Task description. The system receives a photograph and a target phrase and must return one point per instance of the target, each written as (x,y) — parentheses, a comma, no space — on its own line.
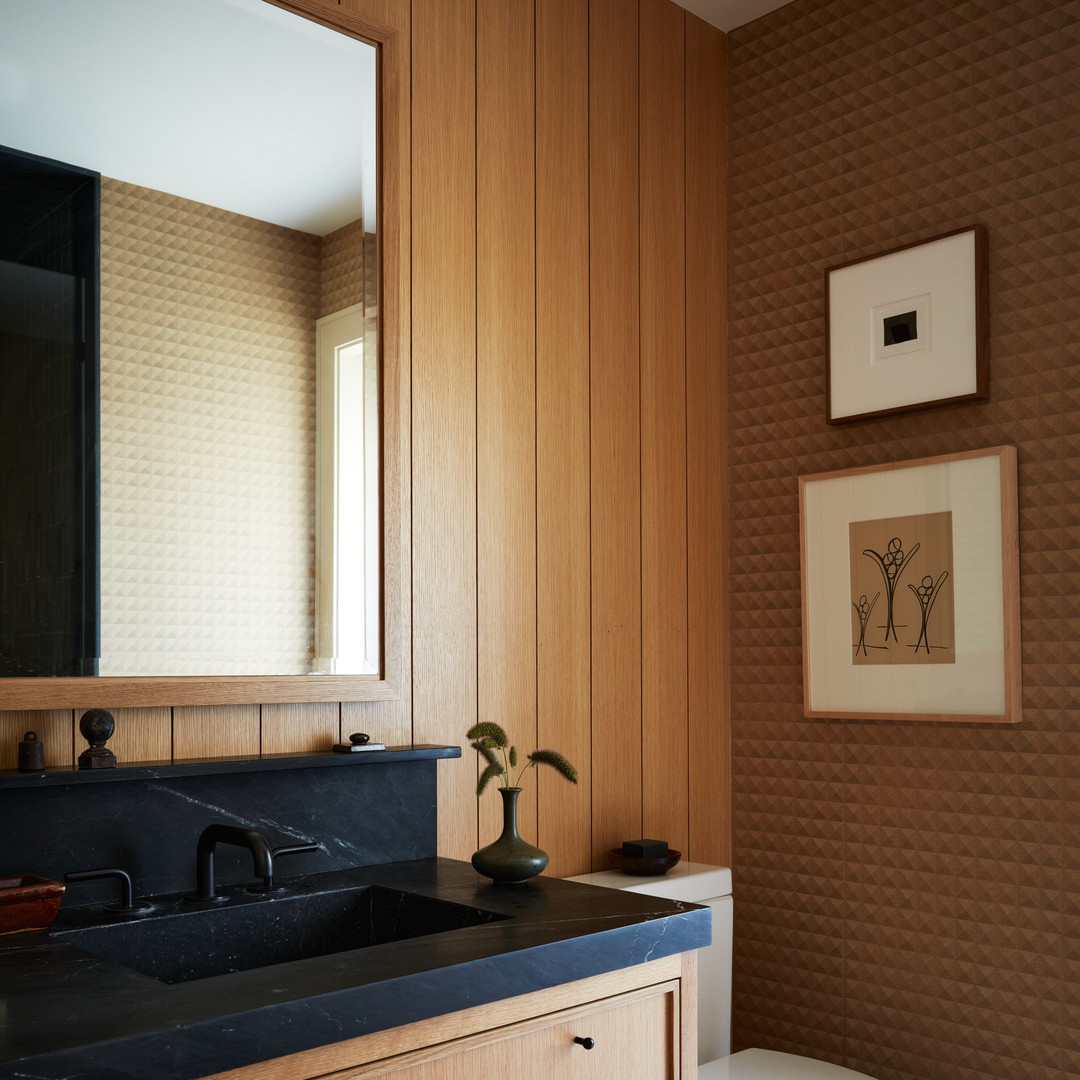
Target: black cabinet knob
(587,1043)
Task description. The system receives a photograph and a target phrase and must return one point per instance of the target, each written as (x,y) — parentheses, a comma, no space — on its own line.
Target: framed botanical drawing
(910,590)
(907,329)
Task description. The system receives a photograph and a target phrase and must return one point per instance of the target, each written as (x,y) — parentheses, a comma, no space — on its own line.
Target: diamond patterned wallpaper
(207,418)
(344,267)
(907,895)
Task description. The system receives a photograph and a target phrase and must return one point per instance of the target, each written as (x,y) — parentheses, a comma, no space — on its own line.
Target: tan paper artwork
(902,583)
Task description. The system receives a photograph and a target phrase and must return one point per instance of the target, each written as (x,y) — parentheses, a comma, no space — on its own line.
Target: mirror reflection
(189,420)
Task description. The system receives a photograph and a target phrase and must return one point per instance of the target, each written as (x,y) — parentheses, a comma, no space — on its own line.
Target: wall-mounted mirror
(219,501)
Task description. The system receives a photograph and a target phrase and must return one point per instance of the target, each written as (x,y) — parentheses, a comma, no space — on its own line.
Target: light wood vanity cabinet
(632,1036)
(636,1018)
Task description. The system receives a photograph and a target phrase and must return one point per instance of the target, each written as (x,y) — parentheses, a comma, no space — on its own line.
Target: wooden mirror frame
(381,23)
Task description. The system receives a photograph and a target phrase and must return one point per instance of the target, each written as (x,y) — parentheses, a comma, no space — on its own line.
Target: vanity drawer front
(634,1037)
(642,1020)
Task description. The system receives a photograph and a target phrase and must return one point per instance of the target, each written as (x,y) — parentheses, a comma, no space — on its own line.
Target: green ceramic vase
(510,860)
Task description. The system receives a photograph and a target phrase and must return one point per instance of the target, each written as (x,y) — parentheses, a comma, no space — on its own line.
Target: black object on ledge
(645,849)
(158,770)
(359,742)
(97,727)
(31,753)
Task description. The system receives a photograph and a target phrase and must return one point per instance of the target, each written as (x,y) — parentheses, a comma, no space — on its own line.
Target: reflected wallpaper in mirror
(237,221)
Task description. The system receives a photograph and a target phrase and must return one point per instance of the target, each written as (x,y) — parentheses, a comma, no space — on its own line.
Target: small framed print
(910,594)
(907,329)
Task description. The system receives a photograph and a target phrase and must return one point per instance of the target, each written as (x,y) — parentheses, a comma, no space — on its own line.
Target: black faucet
(261,852)
(126,905)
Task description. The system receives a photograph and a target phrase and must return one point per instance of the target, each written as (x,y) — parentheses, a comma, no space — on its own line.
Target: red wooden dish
(28,903)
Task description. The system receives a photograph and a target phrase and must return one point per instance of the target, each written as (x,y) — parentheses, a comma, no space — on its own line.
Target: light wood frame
(371,21)
(979,488)
(945,281)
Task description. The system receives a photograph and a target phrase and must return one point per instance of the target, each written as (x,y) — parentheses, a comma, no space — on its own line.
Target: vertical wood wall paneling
(444,401)
(506,388)
(141,735)
(215,731)
(300,729)
(591,562)
(615,448)
(707,442)
(664,733)
(562,421)
(390,722)
(54,727)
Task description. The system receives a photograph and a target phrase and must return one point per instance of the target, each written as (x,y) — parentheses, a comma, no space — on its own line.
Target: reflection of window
(347,497)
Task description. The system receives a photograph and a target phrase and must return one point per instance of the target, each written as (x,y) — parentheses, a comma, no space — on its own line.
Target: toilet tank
(696,883)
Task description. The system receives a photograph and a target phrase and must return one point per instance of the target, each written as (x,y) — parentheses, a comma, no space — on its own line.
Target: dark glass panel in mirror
(48,417)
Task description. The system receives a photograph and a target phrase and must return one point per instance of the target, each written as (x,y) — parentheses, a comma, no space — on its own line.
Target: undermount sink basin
(203,943)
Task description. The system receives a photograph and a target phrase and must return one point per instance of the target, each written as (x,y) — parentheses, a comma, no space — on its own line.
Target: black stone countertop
(67,1015)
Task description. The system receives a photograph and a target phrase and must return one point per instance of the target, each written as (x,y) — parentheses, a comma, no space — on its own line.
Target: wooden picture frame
(910,590)
(907,329)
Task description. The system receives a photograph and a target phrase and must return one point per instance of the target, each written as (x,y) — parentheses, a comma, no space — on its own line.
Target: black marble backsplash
(358,817)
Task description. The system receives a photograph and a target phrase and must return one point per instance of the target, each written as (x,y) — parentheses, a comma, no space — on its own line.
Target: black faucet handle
(126,905)
(268,885)
(295,849)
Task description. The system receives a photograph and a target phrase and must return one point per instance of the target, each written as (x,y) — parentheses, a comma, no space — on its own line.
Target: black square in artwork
(899,328)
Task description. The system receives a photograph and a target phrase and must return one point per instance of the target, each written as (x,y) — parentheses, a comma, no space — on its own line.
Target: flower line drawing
(926,593)
(891,564)
(862,610)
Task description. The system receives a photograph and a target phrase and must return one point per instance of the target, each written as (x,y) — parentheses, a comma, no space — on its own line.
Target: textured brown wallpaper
(209,316)
(344,267)
(907,895)
(207,438)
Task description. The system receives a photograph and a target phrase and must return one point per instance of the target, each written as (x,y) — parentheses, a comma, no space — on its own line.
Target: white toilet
(711,886)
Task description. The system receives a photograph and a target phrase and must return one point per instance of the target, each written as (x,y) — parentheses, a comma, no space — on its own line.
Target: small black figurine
(31,753)
(97,726)
(358,742)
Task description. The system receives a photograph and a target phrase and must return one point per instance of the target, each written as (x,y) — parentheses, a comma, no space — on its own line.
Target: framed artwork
(907,329)
(911,590)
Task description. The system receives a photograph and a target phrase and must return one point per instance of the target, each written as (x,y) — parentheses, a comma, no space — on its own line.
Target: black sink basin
(203,943)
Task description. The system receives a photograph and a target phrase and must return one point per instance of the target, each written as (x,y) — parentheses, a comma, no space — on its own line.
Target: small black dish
(644,867)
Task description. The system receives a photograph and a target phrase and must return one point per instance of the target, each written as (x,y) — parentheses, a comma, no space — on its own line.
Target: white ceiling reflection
(233,103)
